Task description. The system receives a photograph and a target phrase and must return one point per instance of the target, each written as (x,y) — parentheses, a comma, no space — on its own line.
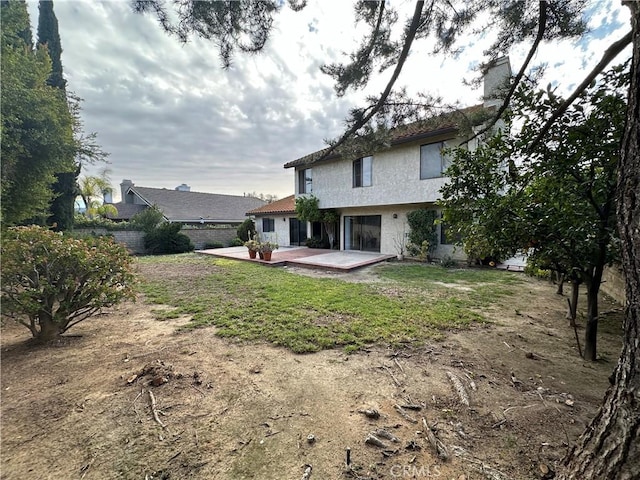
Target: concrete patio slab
(338,260)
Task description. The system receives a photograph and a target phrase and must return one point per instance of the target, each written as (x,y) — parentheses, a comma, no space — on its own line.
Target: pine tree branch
(411,33)
(542,23)
(610,53)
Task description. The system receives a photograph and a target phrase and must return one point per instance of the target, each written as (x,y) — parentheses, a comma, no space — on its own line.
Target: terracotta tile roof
(286,205)
(440,125)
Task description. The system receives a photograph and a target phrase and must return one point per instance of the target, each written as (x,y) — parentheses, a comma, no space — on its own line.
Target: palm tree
(92,190)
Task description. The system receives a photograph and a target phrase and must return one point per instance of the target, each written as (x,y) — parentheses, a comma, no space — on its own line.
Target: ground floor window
(362,232)
(268,225)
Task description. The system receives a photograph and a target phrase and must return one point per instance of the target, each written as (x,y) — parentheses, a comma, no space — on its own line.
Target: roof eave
(399,141)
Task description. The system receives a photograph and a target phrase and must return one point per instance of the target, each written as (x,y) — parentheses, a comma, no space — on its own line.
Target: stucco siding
(281,234)
(395,180)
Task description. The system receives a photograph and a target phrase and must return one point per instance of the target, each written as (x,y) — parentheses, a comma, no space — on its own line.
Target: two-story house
(374,193)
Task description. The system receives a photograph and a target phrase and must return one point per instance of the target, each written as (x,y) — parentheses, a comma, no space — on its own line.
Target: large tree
(556,203)
(37,126)
(48,35)
(65,187)
(609,448)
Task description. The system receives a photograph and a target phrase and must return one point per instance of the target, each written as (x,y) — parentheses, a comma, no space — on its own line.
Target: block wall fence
(133,239)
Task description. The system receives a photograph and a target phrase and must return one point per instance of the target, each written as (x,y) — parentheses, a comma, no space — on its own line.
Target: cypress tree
(48,34)
(65,187)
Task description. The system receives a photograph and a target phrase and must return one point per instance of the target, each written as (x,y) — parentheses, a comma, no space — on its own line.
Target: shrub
(247,230)
(82,222)
(448,262)
(166,238)
(534,271)
(316,243)
(236,242)
(52,282)
(147,220)
(422,229)
(209,245)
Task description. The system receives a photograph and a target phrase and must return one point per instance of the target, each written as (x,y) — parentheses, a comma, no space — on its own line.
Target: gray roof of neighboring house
(126,210)
(182,206)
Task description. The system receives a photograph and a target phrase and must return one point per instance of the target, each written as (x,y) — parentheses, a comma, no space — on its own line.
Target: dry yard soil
(130,397)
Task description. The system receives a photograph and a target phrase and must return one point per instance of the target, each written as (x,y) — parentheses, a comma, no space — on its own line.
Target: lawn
(407,304)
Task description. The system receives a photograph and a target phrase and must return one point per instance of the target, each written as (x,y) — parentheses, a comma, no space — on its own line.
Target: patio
(337,260)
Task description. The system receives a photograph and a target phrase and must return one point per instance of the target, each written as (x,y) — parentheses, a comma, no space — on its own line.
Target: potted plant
(266,248)
(253,246)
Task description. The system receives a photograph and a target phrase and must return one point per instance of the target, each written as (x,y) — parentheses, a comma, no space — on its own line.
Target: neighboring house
(184,206)
(374,193)
(277,222)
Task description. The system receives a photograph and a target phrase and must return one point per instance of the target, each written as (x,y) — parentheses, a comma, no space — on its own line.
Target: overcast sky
(169,114)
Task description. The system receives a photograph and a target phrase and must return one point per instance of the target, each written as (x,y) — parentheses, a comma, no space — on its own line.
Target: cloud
(169,114)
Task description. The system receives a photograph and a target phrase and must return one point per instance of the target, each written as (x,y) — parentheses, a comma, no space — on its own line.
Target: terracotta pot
(261,254)
(267,256)
(252,254)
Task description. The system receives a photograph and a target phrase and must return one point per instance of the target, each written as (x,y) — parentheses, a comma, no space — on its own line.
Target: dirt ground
(82,409)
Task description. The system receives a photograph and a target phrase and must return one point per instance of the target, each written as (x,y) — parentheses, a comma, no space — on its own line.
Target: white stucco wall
(281,234)
(395,180)
(394,229)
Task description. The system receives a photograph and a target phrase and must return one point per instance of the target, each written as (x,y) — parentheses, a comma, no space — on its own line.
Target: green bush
(247,230)
(166,238)
(422,229)
(209,245)
(147,220)
(316,243)
(533,270)
(82,222)
(236,242)
(448,262)
(51,282)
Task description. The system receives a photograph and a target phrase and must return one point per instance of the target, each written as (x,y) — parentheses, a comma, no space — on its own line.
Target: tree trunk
(609,448)
(573,303)
(330,229)
(560,280)
(49,330)
(591,330)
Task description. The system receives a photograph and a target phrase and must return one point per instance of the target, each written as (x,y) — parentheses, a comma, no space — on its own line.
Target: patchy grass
(251,302)
(472,287)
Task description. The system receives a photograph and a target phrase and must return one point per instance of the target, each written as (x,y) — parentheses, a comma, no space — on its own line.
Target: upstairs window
(305,181)
(433,163)
(362,172)
(268,225)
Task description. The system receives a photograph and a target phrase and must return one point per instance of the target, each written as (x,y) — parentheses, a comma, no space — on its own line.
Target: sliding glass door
(362,233)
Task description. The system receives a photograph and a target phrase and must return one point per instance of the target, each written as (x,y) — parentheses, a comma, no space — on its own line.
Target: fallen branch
(198,390)
(307,472)
(395,380)
(517,406)
(459,388)
(436,444)
(154,410)
(404,414)
(382,433)
(489,472)
(375,441)
(575,330)
(398,364)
